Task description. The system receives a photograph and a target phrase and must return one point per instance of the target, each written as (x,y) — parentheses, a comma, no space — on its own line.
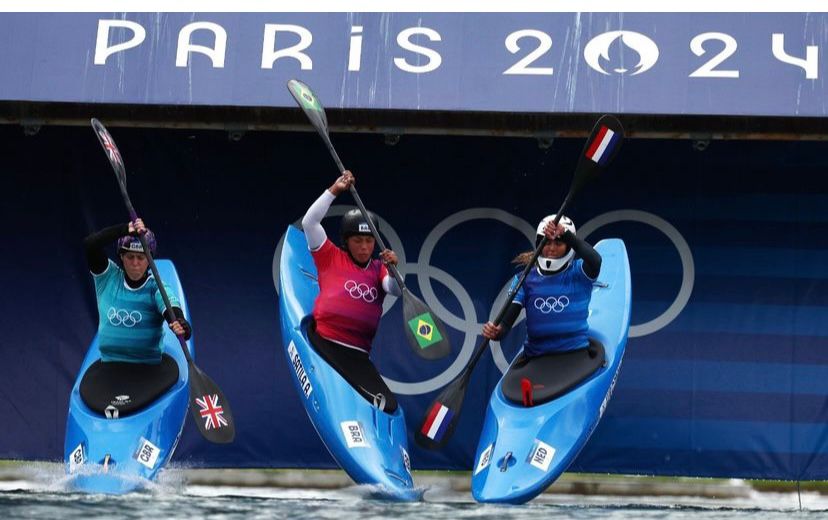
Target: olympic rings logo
(361,291)
(123,317)
(467,320)
(552,304)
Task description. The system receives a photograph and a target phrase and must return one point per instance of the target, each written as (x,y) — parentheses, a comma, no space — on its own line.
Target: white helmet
(554,264)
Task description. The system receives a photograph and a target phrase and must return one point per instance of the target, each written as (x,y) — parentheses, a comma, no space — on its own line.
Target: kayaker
(130,308)
(555,294)
(352,287)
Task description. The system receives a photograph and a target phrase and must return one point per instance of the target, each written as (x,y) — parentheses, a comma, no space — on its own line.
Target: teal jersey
(131,321)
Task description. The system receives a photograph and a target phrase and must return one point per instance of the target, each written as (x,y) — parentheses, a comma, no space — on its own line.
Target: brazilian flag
(424,330)
(308,99)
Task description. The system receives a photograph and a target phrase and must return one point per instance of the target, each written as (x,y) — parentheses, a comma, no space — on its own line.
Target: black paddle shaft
(134,216)
(221,427)
(599,150)
(117,162)
(420,333)
(374,231)
(513,291)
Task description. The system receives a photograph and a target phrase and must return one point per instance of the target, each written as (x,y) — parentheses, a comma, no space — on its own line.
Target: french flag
(437,422)
(601,148)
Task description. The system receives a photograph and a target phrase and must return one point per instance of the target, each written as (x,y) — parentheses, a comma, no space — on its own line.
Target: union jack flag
(211,411)
(111,149)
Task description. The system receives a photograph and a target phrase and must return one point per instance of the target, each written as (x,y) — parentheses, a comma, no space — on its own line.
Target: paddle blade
(442,415)
(111,150)
(210,409)
(425,332)
(599,151)
(310,104)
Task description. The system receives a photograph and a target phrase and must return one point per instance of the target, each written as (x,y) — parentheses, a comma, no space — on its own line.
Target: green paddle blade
(210,409)
(310,104)
(425,332)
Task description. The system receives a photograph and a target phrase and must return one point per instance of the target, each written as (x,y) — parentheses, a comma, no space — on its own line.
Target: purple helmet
(129,243)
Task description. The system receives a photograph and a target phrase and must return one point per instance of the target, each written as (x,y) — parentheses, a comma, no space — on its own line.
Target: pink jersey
(349,305)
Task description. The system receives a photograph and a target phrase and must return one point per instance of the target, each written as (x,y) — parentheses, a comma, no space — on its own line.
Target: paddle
(209,407)
(443,414)
(425,332)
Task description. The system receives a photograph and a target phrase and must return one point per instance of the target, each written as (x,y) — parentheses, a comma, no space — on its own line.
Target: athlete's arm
(94,244)
(389,283)
(592,259)
(491,331)
(312,221)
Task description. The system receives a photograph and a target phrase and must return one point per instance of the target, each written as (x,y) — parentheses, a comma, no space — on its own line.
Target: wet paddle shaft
(210,409)
(425,332)
(443,414)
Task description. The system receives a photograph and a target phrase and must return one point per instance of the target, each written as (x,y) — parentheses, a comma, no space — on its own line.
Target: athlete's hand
(137,227)
(343,183)
(492,331)
(176,327)
(553,231)
(388,256)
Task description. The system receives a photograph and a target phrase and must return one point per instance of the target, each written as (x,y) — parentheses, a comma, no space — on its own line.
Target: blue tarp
(725,375)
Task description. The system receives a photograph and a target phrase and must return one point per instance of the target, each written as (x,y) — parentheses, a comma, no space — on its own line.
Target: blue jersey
(557,307)
(131,322)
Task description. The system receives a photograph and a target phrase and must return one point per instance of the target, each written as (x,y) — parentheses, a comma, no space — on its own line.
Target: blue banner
(726,371)
(635,63)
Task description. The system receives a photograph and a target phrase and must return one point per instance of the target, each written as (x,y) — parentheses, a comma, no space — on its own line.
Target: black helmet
(354,224)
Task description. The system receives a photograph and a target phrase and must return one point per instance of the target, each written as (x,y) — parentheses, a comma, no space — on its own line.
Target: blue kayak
(368,443)
(125,419)
(544,410)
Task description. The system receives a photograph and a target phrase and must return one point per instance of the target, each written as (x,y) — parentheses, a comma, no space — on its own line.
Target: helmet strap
(555,265)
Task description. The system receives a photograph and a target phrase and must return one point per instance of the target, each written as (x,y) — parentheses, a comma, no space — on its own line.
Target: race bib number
(485,459)
(354,434)
(147,453)
(76,458)
(406,459)
(541,455)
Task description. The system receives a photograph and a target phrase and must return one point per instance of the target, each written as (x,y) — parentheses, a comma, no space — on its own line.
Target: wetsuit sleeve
(312,221)
(514,308)
(512,313)
(94,244)
(591,257)
(389,283)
